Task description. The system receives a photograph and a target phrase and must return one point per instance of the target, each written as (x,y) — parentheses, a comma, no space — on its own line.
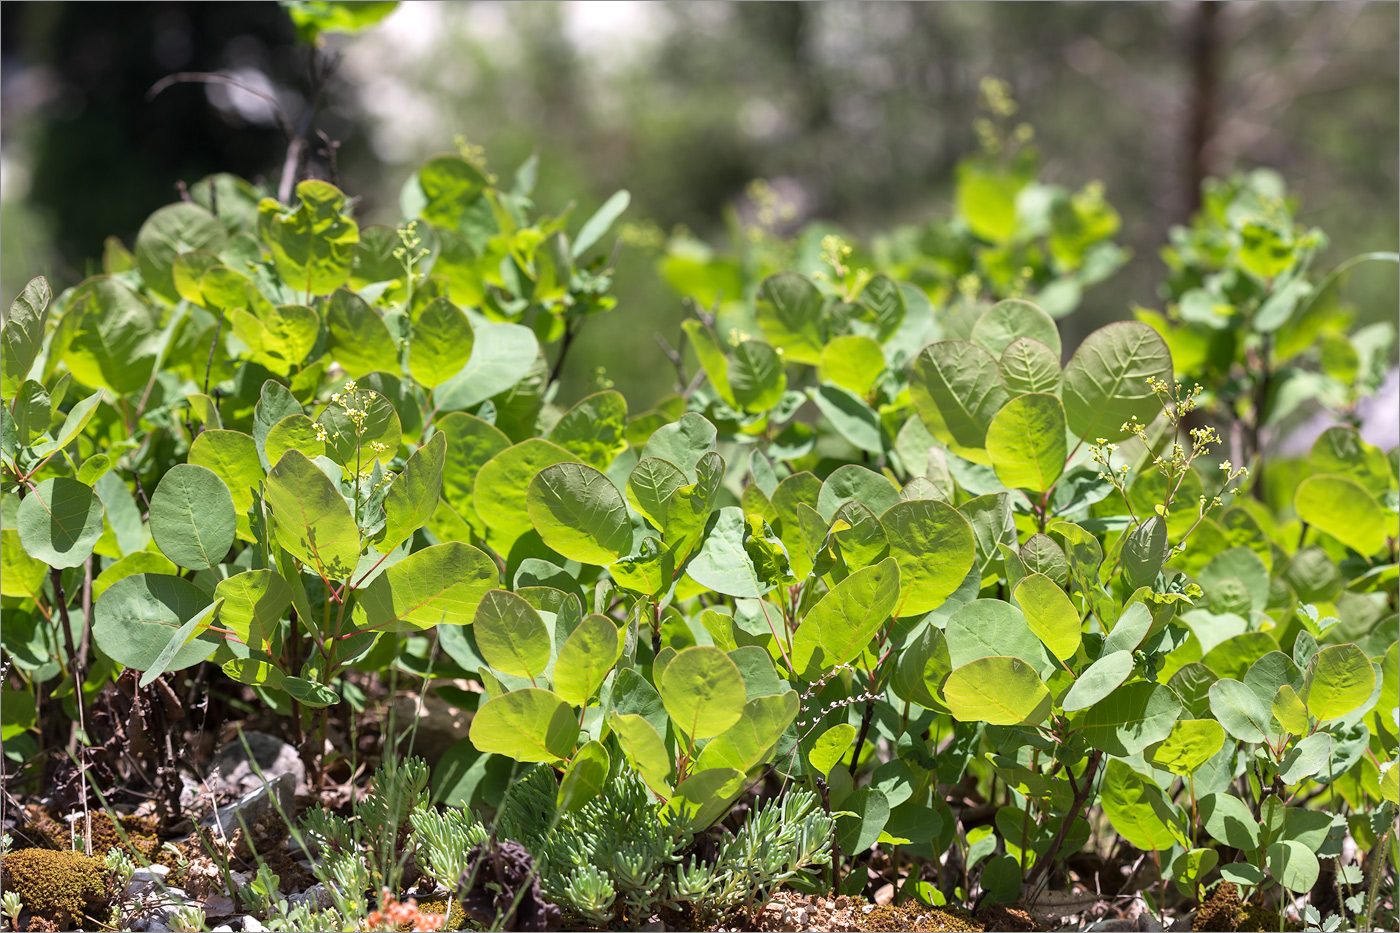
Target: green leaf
(1099,680)
(756,376)
(502,355)
(527,725)
(1345,510)
(595,429)
(869,812)
(997,690)
(275,403)
(233,457)
(1144,552)
(31,410)
(854,483)
(413,495)
(471,443)
(854,362)
(830,747)
(644,750)
(108,337)
(310,693)
(313,245)
(439,585)
(1138,809)
(850,614)
(1340,451)
(1131,718)
(1190,744)
(1339,679)
(22,338)
(20,574)
(1290,712)
(315,17)
(585,777)
(986,627)
(135,618)
(294,432)
(723,563)
(1007,321)
(710,353)
(789,310)
(1240,710)
(278,338)
(254,602)
(852,418)
(192,517)
(77,419)
(957,390)
(683,442)
(751,741)
(1026,442)
(1228,820)
(986,199)
(1306,758)
(174,229)
(361,427)
(254,673)
(586,658)
(313,520)
(358,338)
(579,513)
(1106,381)
(511,636)
(934,547)
(185,634)
(594,227)
(441,343)
(1292,865)
(703,691)
(1050,614)
(59,522)
(1029,366)
(500,491)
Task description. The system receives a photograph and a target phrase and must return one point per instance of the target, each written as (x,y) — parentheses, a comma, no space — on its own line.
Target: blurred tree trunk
(1202,117)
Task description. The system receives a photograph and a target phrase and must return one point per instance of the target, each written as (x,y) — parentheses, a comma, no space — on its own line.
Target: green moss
(62,888)
(457,920)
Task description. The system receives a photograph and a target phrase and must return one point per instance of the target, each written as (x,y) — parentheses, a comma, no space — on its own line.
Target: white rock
(318,895)
(251,924)
(255,803)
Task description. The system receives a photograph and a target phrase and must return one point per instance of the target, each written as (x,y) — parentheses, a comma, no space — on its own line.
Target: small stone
(885,895)
(222,928)
(868,908)
(156,925)
(254,804)
(842,902)
(251,924)
(235,774)
(654,925)
(317,895)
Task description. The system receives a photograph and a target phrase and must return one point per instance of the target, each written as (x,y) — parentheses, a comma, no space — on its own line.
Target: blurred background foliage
(851,113)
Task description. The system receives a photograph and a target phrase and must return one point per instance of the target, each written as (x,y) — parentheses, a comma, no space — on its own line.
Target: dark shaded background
(855,112)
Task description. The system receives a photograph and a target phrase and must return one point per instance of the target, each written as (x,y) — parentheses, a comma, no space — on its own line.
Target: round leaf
(192,517)
(135,619)
(585,659)
(935,549)
(1050,614)
(703,691)
(579,513)
(997,690)
(1106,381)
(527,725)
(59,522)
(511,636)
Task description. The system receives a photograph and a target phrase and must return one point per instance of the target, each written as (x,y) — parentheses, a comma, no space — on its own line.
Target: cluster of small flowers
(392,915)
